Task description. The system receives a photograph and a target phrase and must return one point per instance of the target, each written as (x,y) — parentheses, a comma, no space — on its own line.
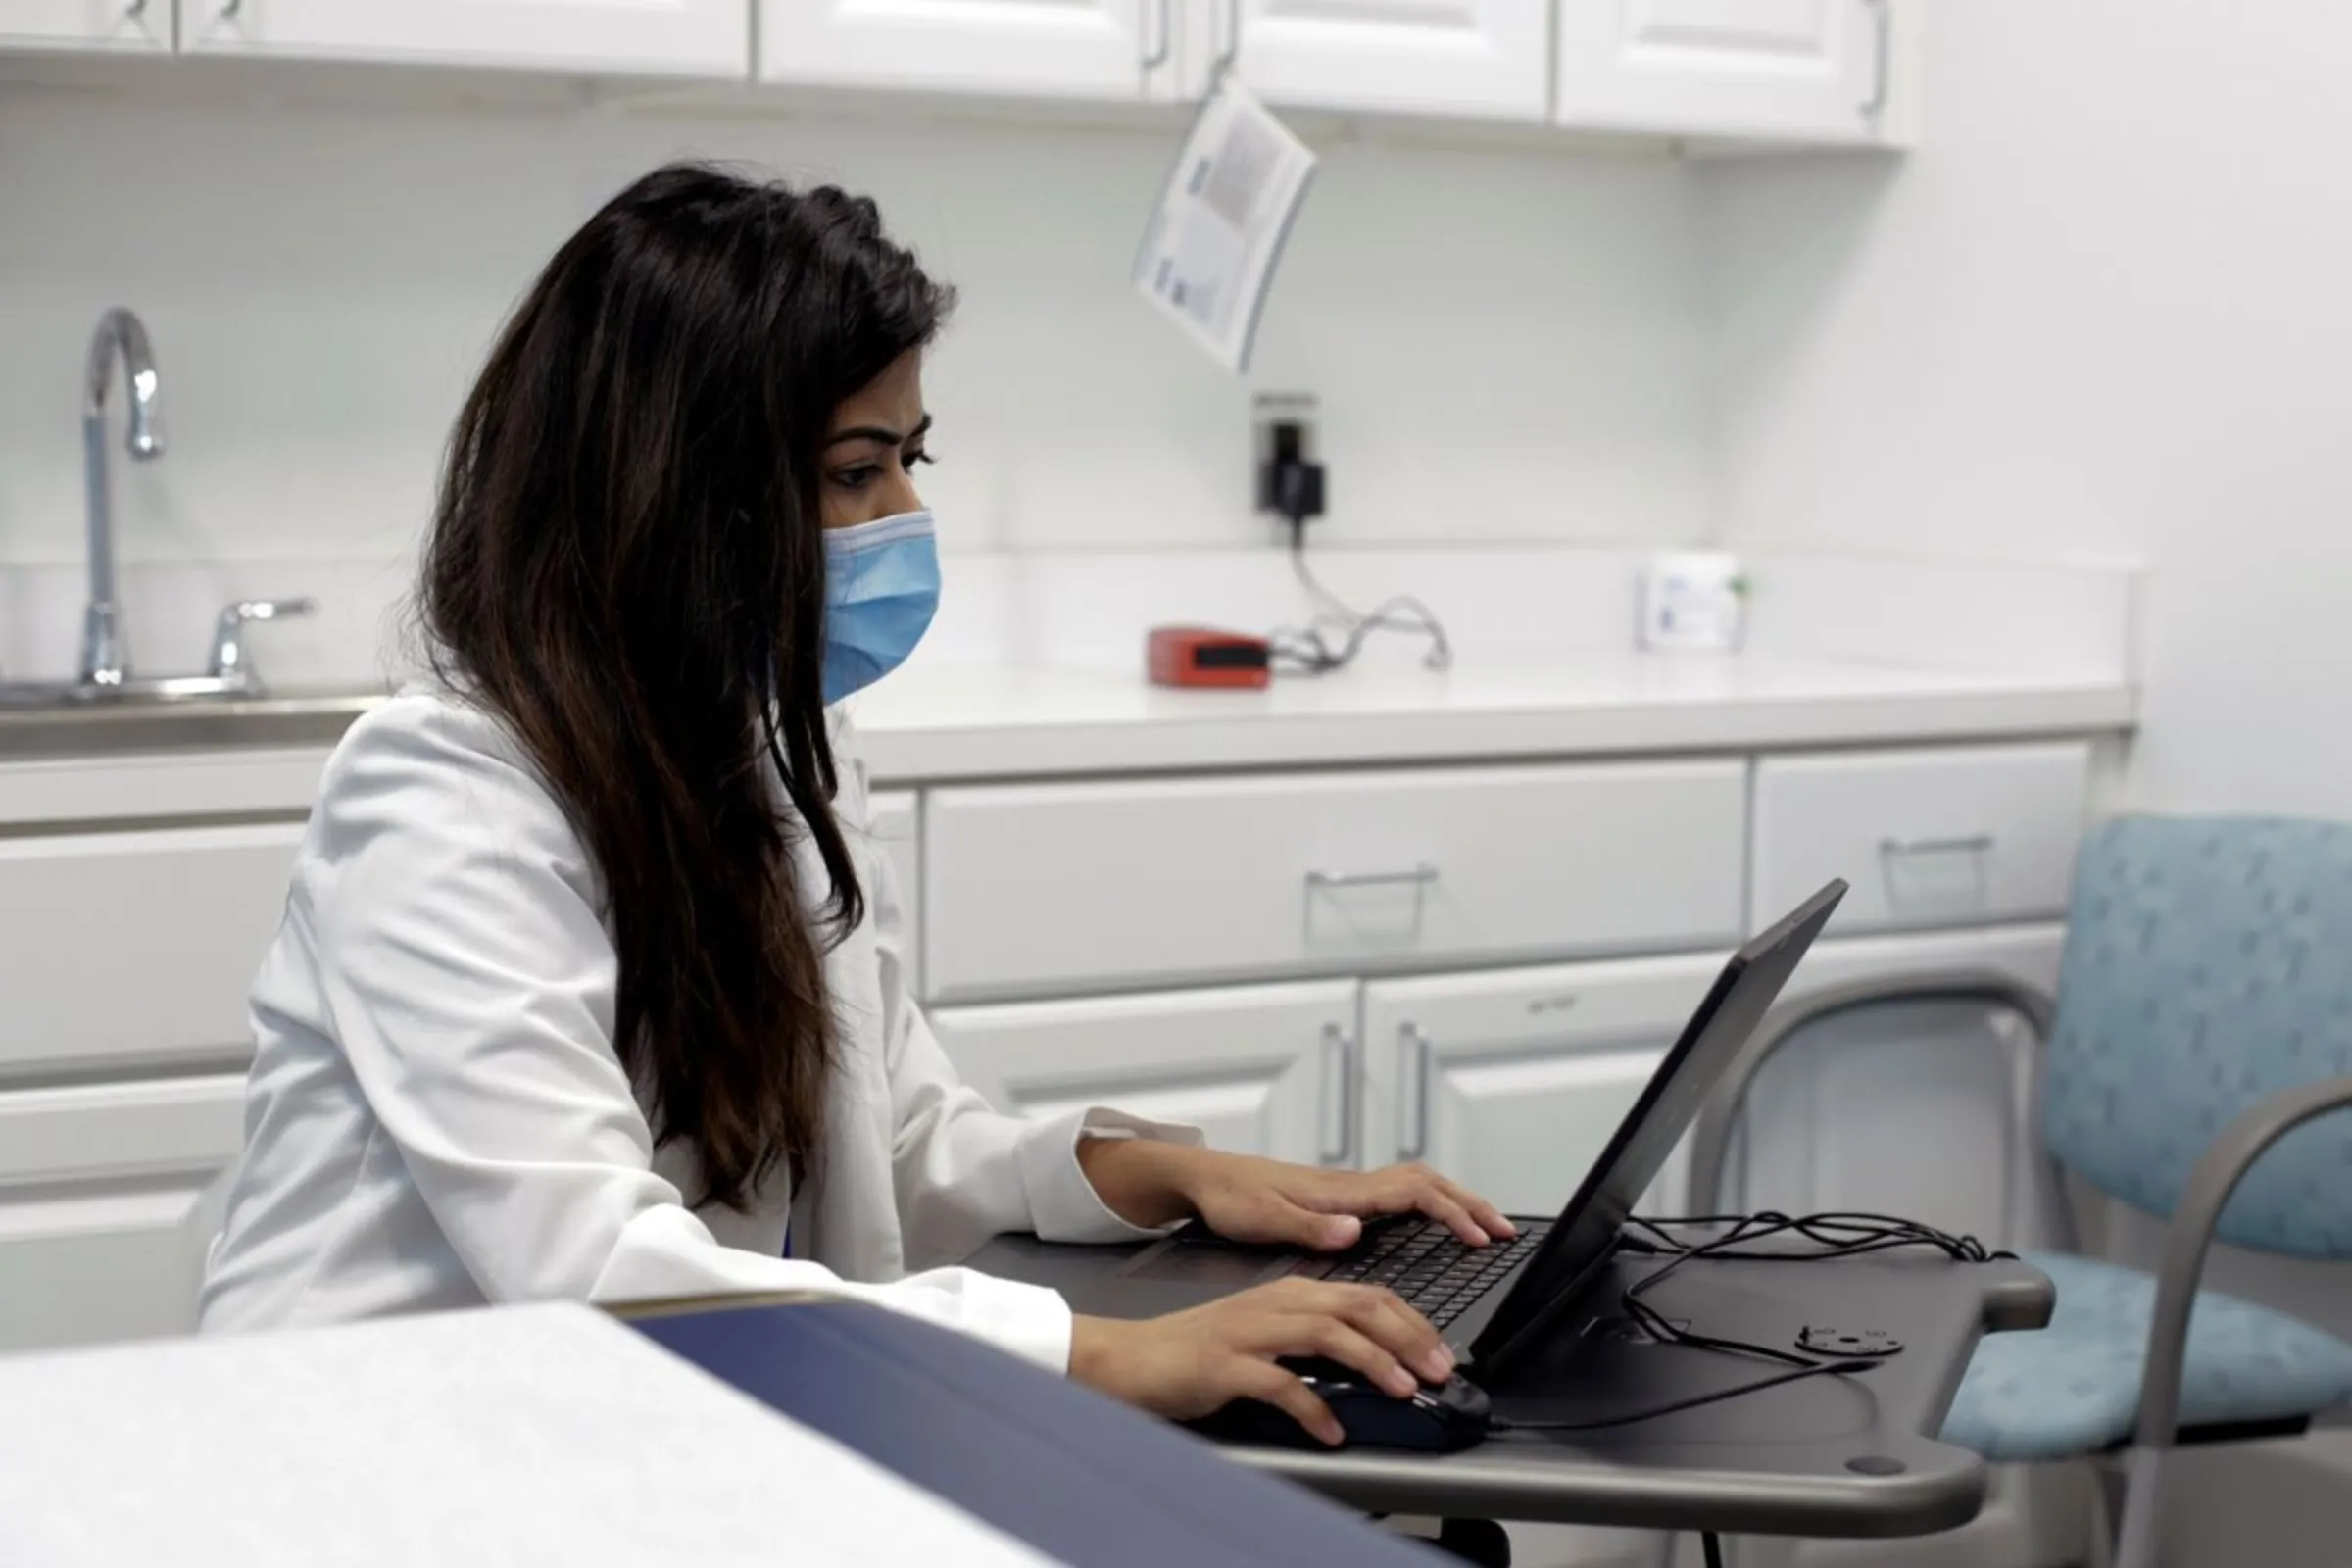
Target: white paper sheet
(538,1435)
(1209,254)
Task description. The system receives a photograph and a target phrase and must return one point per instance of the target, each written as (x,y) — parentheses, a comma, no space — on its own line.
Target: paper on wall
(1209,252)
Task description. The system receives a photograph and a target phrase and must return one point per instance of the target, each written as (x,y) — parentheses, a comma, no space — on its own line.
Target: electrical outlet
(1290,473)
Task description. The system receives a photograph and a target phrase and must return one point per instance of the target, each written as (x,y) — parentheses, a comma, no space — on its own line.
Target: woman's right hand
(1188,1364)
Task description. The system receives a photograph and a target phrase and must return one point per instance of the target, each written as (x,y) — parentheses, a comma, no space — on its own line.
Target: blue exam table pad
(1077,1476)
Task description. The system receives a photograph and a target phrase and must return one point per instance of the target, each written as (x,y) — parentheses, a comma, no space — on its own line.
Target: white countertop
(930,724)
(937,724)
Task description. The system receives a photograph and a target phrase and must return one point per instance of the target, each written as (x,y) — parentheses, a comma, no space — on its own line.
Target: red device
(1199,655)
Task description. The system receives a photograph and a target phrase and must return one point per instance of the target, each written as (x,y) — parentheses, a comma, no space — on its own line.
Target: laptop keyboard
(1426,1264)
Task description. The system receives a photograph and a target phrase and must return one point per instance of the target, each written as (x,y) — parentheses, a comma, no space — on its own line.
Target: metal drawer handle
(1972,844)
(1164,45)
(1326,881)
(1338,1142)
(1884,18)
(1420,879)
(1412,1093)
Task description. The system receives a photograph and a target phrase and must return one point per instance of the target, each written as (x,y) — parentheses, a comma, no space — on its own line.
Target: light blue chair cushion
(2072,1388)
(2208,967)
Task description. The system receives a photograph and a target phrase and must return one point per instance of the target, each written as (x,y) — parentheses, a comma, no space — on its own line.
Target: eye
(857,477)
(916,458)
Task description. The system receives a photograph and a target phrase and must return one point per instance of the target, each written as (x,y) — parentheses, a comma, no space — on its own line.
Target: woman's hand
(1188,1364)
(1244,1198)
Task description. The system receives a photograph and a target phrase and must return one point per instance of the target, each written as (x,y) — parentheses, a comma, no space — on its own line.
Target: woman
(589,983)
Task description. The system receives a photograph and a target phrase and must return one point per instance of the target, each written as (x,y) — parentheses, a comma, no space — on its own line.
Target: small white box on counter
(1692,600)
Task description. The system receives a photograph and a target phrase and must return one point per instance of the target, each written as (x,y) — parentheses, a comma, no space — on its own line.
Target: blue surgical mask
(881,590)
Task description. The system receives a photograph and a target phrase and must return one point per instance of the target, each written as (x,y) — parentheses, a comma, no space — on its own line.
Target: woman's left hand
(1245,1198)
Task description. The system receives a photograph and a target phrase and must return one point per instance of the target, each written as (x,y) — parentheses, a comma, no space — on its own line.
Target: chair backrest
(2208,967)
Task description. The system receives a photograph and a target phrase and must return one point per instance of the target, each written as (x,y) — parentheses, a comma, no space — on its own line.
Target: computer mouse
(1437,1418)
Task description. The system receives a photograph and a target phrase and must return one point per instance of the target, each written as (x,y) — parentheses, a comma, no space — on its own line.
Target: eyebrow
(877,433)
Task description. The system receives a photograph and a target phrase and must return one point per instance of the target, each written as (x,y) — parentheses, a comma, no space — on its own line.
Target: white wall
(1508,343)
(2105,308)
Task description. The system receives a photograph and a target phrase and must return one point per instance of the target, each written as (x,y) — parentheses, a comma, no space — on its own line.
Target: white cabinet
(1108,49)
(1471,59)
(895,819)
(1032,888)
(1927,838)
(1264,1070)
(99,1186)
(134,25)
(135,949)
(623,37)
(1512,1082)
(1808,70)
(1914,1109)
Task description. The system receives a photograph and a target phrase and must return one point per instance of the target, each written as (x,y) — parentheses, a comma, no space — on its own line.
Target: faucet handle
(230,661)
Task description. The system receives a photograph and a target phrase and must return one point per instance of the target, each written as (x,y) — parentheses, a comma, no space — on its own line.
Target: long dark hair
(626,566)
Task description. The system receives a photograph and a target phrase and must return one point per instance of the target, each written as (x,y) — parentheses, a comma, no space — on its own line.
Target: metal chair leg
(2106,1509)
(2135,1537)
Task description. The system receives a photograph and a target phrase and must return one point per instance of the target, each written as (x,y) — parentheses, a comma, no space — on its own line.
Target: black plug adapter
(1288,480)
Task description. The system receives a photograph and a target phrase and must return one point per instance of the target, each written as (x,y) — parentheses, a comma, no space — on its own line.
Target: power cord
(1334,637)
(1833,1235)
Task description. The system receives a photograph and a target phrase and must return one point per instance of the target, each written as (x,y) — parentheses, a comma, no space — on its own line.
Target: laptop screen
(1588,1228)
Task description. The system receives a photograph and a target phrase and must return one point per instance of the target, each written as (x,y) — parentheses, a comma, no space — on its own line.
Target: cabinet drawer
(100,1187)
(138,945)
(1085,884)
(1926,838)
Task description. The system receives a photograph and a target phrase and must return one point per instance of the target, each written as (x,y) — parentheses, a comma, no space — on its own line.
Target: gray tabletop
(1836,1456)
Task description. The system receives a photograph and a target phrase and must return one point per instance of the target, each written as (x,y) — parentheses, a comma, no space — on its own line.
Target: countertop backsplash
(1088,611)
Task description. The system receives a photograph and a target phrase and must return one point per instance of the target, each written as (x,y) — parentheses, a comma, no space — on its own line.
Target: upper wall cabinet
(125,24)
(1809,70)
(1119,50)
(1471,59)
(626,37)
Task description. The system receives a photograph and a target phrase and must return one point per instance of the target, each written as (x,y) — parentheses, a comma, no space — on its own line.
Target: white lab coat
(437,1116)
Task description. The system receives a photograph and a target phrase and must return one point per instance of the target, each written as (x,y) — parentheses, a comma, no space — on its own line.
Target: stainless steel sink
(195,712)
(46,696)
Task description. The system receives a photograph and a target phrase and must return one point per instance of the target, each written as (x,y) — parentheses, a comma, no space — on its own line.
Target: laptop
(1491,1303)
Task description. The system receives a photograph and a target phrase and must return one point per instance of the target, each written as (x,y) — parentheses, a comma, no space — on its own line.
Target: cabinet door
(135,25)
(1512,1082)
(1113,49)
(1917,1109)
(1264,1070)
(99,1186)
(1811,70)
(895,820)
(1475,59)
(633,37)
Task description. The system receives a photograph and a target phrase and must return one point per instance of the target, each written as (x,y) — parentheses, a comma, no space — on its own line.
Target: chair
(2203,1024)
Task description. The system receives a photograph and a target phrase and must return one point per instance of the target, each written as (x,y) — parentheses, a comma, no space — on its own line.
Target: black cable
(1713,1543)
(1798,1375)
(1332,639)
(1833,1235)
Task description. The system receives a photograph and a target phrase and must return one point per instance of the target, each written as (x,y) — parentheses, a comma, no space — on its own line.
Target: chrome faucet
(105,673)
(105,655)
